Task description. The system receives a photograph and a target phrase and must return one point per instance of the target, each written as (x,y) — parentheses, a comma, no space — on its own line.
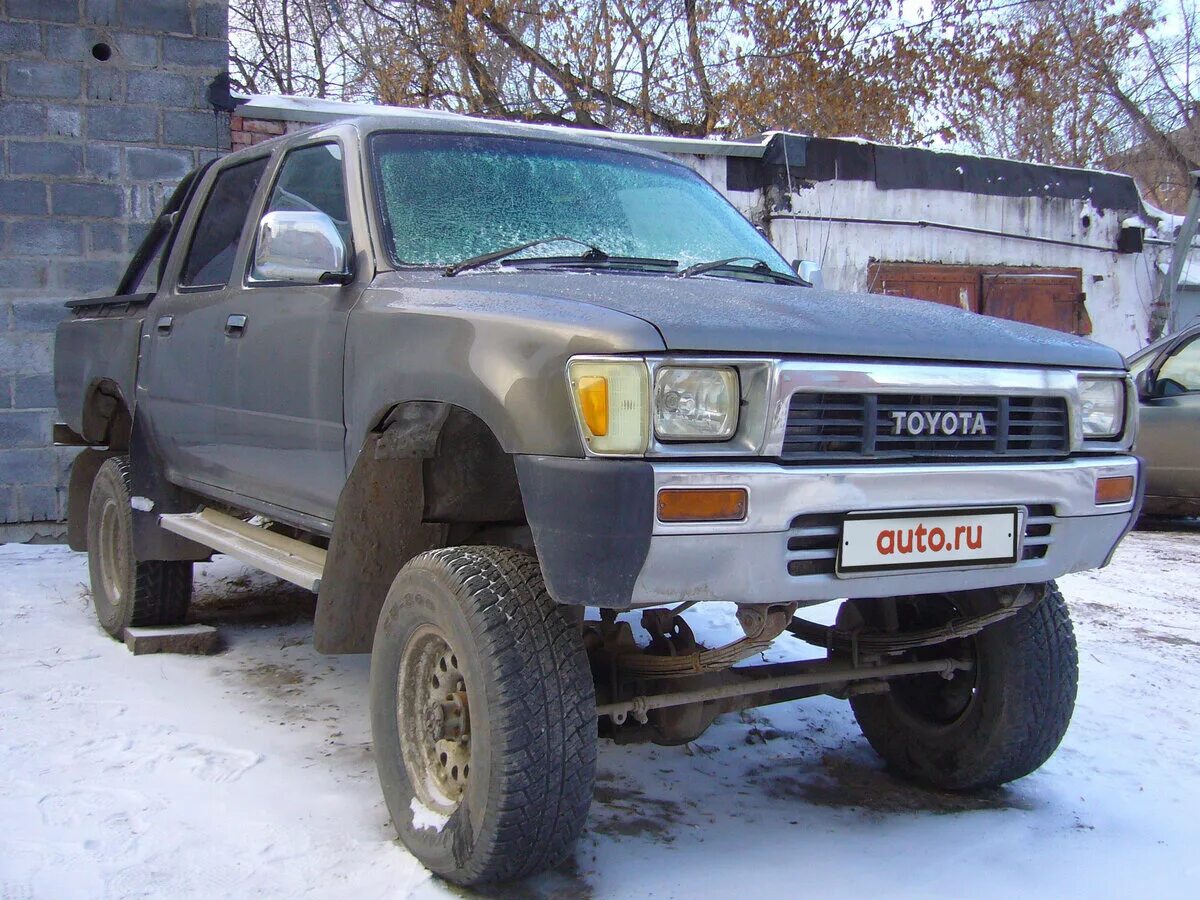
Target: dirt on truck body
(464,379)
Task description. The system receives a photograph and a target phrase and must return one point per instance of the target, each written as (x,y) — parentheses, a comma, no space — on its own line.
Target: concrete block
(43,79)
(136,49)
(103,161)
(17,38)
(202,129)
(155,164)
(100,12)
(34,237)
(64,122)
(87,199)
(19,274)
(33,392)
(39,316)
(189,639)
(160,88)
(212,20)
(44,158)
(106,237)
(38,503)
(136,233)
(104,85)
(22,198)
(122,123)
(157,15)
(24,428)
(8,503)
(44,10)
(30,466)
(22,119)
(69,43)
(195,53)
(92,277)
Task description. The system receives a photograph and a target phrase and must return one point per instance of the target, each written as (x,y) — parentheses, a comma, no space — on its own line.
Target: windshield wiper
(760,267)
(593,253)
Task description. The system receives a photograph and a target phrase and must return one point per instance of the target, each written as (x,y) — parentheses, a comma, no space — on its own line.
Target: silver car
(1168,380)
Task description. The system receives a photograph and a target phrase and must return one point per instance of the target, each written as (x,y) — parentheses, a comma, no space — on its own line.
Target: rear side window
(209,261)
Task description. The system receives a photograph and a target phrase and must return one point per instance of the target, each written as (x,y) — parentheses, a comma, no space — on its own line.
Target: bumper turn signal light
(702,504)
(1115,489)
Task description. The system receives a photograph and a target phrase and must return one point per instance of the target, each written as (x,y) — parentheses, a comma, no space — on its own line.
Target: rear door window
(210,257)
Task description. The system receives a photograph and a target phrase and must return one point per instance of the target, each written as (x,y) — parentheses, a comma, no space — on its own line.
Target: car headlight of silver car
(1102,406)
(696,403)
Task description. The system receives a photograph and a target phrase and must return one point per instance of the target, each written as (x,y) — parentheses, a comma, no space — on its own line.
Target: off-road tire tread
(543,710)
(162,588)
(1041,676)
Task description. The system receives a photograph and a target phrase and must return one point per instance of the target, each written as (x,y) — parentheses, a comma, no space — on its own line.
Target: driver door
(1170,426)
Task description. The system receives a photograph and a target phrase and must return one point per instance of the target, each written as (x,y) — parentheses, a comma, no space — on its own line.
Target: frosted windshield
(446,198)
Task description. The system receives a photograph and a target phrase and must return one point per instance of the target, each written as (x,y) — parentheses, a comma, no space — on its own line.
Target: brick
(263,126)
(104,85)
(103,161)
(188,639)
(17,274)
(17,38)
(98,277)
(29,467)
(191,128)
(157,15)
(21,428)
(106,237)
(100,12)
(35,237)
(137,49)
(212,20)
(69,43)
(122,123)
(22,119)
(195,53)
(160,88)
(64,122)
(156,163)
(42,79)
(44,10)
(22,198)
(38,503)
(38,316)
(44,158)
(87,199)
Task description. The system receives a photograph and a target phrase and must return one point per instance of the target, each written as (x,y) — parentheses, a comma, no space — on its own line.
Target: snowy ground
(250,774)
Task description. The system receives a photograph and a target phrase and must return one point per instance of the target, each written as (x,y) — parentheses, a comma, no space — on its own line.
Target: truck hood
(720,315)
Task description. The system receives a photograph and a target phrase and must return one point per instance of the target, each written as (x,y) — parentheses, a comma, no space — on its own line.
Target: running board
(284,557)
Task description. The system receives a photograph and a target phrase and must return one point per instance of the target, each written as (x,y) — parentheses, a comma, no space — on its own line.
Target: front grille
(834,426)
(813,540)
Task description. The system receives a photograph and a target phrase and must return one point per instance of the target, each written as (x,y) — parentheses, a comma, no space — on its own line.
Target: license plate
(881,542)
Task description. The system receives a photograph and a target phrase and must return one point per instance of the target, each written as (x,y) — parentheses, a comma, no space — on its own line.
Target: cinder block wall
(104,106)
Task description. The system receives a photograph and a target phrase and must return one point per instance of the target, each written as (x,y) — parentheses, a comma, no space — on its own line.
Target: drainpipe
(1179,255)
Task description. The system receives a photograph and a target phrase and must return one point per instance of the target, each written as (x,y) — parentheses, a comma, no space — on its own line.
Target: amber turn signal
(702,504)
(1116,489)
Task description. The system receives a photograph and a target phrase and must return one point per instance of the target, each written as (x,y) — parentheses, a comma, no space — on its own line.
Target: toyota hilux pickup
(487,389)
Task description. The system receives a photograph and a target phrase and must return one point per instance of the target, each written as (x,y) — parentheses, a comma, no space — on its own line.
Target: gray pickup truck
(467,381)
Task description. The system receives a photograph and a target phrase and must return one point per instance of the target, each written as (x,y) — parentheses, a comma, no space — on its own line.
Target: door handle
(235,325)
(165,324)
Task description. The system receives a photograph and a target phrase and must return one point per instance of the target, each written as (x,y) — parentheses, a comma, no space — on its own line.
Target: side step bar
(284,557)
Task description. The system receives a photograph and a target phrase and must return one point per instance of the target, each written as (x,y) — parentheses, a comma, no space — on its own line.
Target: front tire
(984,727)
(127,592)
(483,715)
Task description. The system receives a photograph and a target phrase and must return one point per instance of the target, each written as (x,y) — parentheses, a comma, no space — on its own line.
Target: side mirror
(300,248)
(1144,382)
(809,271)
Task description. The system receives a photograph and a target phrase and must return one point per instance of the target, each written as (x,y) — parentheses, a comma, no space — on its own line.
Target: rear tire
(987,726)
(127,592)
(483,715)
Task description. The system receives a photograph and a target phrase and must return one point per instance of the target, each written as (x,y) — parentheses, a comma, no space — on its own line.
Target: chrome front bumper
(748,561)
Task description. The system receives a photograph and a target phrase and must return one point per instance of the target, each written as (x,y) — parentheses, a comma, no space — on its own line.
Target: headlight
(695,404)
(610,398)
(1102,404)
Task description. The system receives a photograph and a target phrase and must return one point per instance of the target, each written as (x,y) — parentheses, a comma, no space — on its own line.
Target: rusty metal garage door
(1052,298)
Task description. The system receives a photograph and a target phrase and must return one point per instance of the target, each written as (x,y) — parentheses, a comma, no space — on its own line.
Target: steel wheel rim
(433,716)
(112,546)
